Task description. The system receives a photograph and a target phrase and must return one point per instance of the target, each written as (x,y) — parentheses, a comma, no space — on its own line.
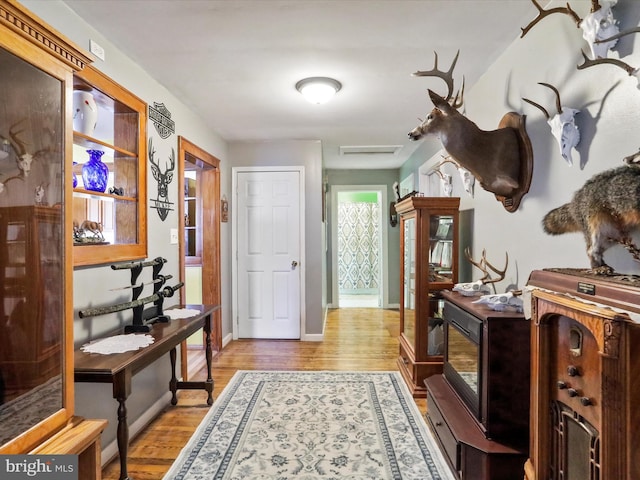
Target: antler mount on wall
(501,160)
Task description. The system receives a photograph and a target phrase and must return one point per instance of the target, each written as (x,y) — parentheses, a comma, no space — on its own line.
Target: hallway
(356,339)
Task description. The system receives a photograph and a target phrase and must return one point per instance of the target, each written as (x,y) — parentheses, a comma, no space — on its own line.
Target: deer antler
(543,13)
(612,61)
(484,265)
(558,104)
(19,146)
(619,35)
(447,76)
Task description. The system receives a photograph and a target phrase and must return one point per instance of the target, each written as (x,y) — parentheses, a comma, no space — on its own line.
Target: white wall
(609,122)
(307,153)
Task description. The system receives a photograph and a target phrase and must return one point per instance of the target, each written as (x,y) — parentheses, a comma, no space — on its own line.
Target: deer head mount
(501,160)
(563,124)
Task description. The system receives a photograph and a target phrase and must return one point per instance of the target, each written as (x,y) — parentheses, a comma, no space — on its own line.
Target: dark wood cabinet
(479,407)
(469,452)
(429,250)
(584,380)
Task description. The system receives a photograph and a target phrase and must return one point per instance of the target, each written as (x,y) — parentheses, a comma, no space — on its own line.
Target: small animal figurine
(40,195)
(605,210)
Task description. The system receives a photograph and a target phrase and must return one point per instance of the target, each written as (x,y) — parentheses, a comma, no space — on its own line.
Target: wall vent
(370,149)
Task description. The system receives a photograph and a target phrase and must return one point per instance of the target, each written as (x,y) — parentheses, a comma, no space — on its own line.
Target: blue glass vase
(95,174)
(73,174)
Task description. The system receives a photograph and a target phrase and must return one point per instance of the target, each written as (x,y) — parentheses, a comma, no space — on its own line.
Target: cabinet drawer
(444,436)
(441,430)
(407,359)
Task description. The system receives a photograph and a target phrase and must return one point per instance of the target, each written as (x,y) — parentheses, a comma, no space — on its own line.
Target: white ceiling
(236,62)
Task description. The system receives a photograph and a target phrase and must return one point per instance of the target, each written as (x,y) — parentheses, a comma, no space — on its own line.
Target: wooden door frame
(210,215)
(383,235)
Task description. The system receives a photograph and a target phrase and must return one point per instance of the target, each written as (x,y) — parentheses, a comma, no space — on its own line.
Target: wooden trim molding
(24,23)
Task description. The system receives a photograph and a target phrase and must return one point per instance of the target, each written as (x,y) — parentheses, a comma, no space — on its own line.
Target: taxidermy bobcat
(605,210)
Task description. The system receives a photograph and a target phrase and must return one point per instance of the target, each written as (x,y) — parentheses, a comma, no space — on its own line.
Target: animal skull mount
(501,301)
(501,160)
(597,27)
(24,159)
(471,289)
(481,286)
(468,180)
(563,125)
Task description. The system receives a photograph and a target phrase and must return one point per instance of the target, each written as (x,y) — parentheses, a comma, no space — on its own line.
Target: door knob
(294,264)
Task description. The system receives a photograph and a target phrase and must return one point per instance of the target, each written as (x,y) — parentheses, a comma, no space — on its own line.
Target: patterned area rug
(312,425)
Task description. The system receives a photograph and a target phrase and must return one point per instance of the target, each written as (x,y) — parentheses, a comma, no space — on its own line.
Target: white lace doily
(118,344)
(175,313)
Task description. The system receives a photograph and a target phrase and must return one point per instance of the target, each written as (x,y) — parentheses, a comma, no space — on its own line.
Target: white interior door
(268,236)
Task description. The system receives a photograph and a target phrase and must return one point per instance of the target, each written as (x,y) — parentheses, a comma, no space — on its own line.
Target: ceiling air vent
(370,149)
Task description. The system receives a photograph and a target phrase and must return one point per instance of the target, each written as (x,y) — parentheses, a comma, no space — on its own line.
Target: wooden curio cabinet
(119,131)
(429,264)
(36,268)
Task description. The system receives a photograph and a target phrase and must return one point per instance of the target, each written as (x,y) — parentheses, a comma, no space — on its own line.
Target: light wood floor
(354,339)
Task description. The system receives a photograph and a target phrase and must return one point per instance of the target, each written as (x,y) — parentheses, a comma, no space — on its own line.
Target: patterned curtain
(358,249)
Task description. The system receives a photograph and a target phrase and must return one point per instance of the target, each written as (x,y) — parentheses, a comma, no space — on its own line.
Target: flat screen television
(463,338)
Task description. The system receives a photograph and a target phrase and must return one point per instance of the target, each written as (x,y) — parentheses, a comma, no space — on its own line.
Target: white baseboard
(110,451)
(313,337)
(227,339)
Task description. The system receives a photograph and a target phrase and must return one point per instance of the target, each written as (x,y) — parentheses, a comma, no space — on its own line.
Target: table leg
(209,383)
(173,383)
(123,438)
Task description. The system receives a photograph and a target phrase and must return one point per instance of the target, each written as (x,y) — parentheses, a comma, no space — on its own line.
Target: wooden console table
(118,369)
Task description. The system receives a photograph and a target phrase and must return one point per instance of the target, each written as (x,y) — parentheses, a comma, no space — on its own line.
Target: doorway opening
(199,209)
(359,232)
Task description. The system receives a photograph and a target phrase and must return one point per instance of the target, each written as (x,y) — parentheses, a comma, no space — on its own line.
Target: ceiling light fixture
(318,89)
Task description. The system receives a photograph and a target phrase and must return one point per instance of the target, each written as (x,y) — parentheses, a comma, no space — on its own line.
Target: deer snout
(415,134)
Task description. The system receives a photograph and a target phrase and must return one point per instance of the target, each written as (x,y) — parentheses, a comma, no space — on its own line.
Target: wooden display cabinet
(429,252)
(36,274)
(584,376)
(479,408)
(121,210)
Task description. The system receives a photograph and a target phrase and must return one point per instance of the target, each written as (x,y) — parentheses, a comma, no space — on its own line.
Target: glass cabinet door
(32,253)
(441,251)
(409,280)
